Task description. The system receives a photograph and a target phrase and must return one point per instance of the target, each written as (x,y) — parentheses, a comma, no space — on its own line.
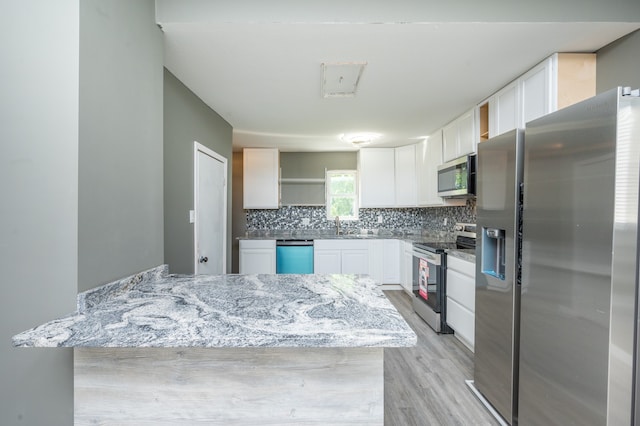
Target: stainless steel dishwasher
(294,257)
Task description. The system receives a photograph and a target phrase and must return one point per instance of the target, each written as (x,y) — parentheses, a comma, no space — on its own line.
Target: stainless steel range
(430,276)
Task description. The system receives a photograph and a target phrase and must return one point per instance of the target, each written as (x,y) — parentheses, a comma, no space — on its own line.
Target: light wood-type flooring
(425,385)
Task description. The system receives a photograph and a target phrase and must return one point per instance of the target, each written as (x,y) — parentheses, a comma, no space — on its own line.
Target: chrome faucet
(337,225)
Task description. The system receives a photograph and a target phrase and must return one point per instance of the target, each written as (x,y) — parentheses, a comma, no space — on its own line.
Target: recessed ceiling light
(340,79)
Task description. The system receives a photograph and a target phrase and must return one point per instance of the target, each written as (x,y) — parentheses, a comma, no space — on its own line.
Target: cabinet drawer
(462,321)
(341,244)
(462,288)
(462,266)
(258,244)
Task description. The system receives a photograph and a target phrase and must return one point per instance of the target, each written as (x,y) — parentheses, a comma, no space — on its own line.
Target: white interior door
(210,211)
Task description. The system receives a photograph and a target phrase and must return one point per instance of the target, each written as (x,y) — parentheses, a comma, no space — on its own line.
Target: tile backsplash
(408,219)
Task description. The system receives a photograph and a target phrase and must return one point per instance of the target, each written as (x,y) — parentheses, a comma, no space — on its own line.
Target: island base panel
(229,386)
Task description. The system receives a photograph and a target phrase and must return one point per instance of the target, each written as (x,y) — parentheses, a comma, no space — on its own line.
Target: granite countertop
(156,309)
(465,254)
(323,234)
(318,235)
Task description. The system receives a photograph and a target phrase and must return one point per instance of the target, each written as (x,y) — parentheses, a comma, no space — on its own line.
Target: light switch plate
(192,216)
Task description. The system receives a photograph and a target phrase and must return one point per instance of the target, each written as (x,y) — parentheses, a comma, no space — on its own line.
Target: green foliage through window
(342,195)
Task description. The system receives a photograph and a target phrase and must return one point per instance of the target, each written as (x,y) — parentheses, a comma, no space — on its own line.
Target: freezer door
(499,174)
(569,181)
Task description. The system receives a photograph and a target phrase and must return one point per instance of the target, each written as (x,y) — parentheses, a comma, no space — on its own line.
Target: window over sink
(342,194)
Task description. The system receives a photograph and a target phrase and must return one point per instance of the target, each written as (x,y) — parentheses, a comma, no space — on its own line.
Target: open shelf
(484,121)
(303,180)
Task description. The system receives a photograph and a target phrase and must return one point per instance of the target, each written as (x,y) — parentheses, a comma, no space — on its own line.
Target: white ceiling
(264,78)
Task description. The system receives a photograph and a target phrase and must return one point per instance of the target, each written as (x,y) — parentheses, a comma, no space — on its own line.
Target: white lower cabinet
(384,261)
(376,256)
(461,299)
(355,261)
(341,257)
(326,261)
(257,257)
(407,267)
(390,261)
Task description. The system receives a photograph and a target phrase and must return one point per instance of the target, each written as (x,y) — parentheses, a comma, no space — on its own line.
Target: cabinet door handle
(203,259)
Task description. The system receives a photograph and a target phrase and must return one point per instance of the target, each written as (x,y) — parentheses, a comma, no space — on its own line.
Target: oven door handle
(432,258)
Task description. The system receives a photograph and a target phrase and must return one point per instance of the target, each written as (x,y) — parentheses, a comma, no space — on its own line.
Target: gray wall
(239,225)
(618,64)
(313,164)
(80,176)
(188,119)
(120,220)
(38,210)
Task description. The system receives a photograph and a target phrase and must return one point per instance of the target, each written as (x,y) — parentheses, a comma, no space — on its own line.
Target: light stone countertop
(156,309)
(465,254)
(323,234)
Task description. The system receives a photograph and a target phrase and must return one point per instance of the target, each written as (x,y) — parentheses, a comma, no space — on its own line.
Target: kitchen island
(229,349)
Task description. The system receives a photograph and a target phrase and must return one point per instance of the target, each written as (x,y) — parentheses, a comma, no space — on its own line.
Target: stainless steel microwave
(457,178)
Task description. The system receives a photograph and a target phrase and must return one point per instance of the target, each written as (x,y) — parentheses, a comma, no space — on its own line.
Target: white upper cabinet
(466,133)
(429,155)
(560,80)
(376,168)
(406,182)
(504,110)
(459,136)
(450,141)
(388,177)
(536,87)
(260,173)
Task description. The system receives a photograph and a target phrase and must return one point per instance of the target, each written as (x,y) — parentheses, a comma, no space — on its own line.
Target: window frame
(328,194)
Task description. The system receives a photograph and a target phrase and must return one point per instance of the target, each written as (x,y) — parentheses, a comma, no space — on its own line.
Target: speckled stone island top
(155,309)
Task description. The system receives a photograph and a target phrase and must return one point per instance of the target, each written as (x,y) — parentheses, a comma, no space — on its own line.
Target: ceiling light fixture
(340,79)
(359,139)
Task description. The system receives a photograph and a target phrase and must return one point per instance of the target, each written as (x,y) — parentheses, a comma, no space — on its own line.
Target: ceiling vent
(340,80)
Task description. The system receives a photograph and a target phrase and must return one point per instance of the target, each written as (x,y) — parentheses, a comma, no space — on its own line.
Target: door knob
(203,259)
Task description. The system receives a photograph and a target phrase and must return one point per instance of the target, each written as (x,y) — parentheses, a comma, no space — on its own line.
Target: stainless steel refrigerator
(580,264)
(498,208)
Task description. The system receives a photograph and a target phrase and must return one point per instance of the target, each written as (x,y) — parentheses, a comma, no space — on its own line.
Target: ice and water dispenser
(493,252)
